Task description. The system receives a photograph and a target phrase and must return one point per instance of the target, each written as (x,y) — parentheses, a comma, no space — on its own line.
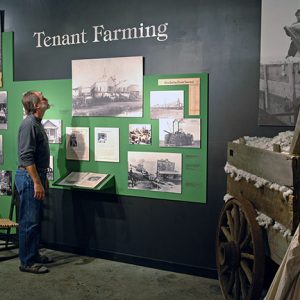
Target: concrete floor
(79,277)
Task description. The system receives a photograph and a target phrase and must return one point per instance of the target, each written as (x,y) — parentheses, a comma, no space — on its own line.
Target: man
(293,32)
(31,181)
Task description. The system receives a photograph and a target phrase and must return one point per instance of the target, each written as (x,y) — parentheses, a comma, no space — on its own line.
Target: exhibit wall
(218,41)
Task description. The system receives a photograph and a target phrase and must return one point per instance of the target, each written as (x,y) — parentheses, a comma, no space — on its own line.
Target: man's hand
(39,191)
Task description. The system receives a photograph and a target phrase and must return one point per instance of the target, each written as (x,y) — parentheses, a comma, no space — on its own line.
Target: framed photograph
(3,110)
(5,183)
(108,87)
(194,91)
(140,134)
(77,143)
(53,130)
(166,104)
(50,171)
(279,84)
(83,179)
(1,149)
(107,144)
(154,171)
(179,133)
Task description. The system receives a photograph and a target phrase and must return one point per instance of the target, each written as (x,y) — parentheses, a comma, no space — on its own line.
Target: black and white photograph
(5,183)
(3,110)
(279,88)
(50,171)
(140,134)
(179,133)
(166,104)
(154,171)
(108,87)
(1,149)
(53,130)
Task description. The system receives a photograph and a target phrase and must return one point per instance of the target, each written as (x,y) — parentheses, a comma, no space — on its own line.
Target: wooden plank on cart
(278,244)
(270,202)
(272,166)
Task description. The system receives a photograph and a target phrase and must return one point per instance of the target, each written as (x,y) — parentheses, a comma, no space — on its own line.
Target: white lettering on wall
(102,34)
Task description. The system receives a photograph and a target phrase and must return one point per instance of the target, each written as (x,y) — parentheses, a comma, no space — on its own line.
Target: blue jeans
(30,216)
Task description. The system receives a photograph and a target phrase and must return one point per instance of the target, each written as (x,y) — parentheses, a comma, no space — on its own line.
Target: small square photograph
(140,134)
(3,110)
(166,104)
(53,130)
(179,133)
(50,171)
(5,183)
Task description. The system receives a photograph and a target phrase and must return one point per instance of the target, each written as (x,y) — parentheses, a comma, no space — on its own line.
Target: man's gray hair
(29,100)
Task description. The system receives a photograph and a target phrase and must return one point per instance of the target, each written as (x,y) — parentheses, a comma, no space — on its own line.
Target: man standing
(31,181)
(293,32)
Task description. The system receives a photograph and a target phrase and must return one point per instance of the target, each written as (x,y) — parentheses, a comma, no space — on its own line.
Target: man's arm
(39,191)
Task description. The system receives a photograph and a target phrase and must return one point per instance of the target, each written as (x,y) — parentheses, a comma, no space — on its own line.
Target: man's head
(297,14)
(34,101)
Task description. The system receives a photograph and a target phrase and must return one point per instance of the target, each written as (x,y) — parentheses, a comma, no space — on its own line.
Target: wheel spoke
(246,240)
(247,255)
(244,286)
(230,282)
(242,227)
(246,270)
(236,221)
(230,222)
(226,233)
(237,288)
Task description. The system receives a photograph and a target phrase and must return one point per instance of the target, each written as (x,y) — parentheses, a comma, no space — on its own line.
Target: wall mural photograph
(154,171)
(108,87)
(279,88)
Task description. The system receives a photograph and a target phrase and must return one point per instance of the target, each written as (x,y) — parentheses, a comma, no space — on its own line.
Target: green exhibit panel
(168,162)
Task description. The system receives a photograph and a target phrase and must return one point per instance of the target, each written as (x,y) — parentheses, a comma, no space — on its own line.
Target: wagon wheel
(240,251)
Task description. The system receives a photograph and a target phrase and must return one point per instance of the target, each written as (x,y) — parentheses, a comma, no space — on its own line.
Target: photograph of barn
(108,87)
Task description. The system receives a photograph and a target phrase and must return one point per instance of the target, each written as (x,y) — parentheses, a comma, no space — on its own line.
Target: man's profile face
(298,17)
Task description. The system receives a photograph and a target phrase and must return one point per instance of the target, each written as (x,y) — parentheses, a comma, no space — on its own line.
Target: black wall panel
(214,36)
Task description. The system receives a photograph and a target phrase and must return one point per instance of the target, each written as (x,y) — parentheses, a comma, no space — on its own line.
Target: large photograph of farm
(108,87)
(279,86)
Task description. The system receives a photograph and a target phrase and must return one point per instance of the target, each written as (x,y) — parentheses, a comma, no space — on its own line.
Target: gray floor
(79,277)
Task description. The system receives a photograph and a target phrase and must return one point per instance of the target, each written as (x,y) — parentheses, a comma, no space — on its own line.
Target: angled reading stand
(86,181)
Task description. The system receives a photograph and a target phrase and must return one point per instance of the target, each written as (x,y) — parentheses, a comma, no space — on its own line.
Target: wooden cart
(241,244)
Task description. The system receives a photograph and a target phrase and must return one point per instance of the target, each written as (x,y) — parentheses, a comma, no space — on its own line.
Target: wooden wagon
(241,244)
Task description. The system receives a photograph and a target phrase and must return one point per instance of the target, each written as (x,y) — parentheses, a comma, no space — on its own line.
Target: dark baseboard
(136,260)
